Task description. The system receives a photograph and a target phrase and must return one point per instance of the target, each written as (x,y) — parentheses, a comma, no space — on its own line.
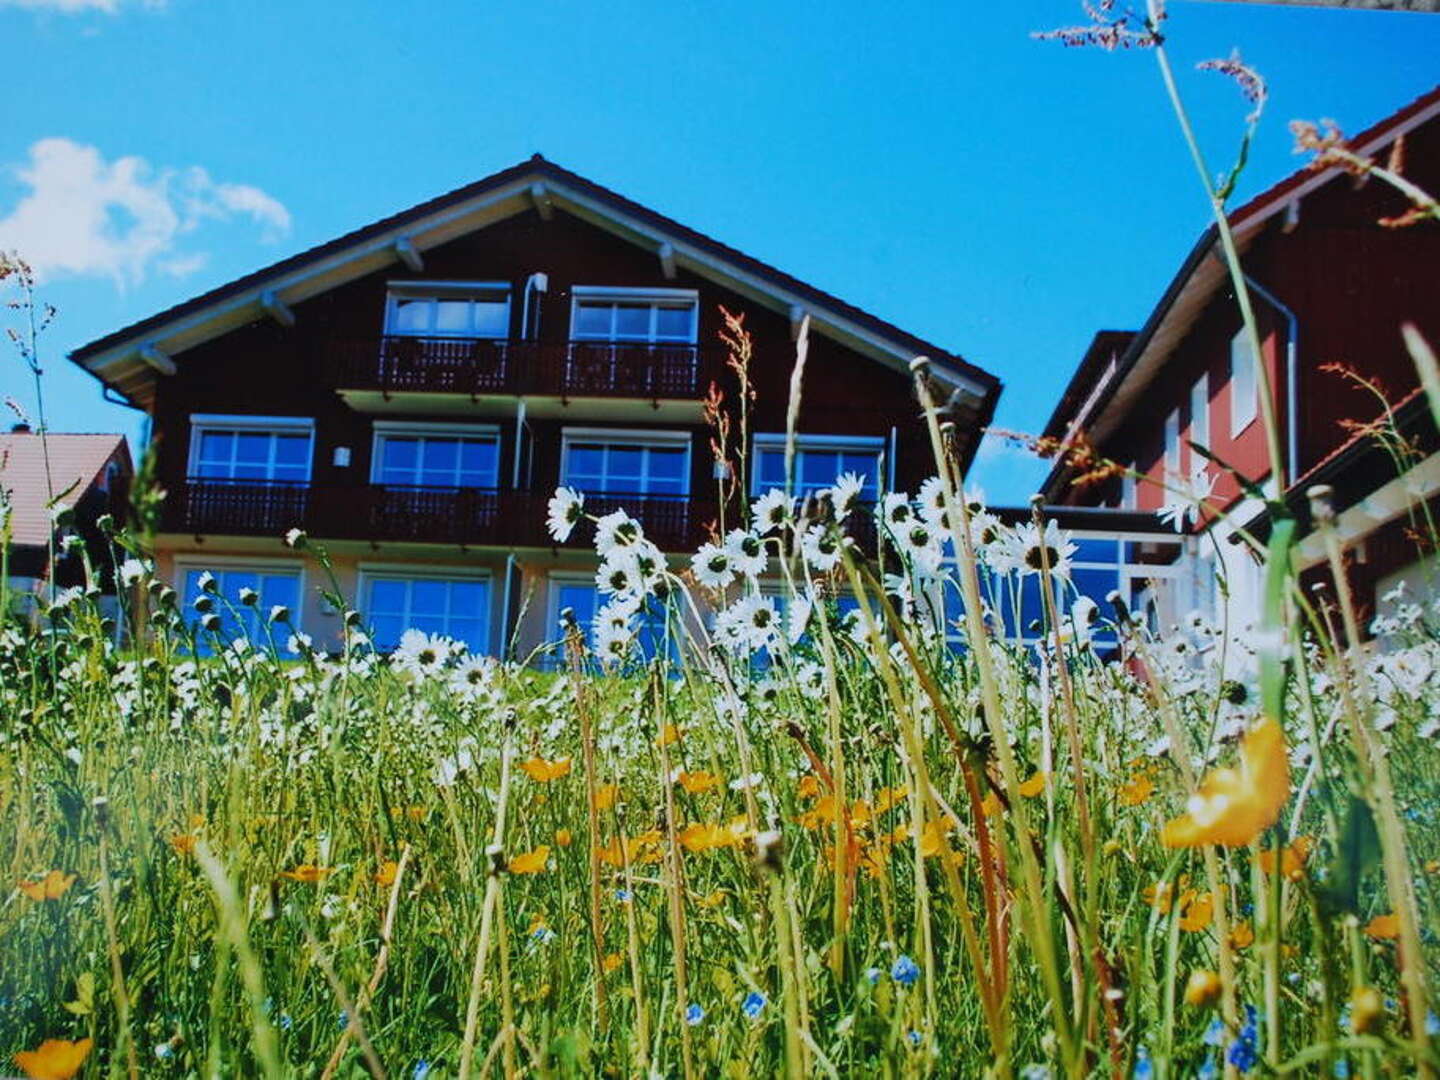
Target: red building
(1330,285)
(412,393)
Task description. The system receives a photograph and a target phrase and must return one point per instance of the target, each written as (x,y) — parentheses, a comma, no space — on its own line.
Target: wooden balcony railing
(463,516)
(483,366)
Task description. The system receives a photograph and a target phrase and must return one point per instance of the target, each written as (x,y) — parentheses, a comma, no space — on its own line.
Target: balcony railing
(482,366)
(463,516)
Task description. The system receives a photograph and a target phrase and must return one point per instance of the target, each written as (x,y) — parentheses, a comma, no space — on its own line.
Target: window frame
(655,297)
(381,429)
(1171,444)
(201,423)
(1200,416)
(1240,419)
(769,441)
(648,438)
(435,291)
(369,573)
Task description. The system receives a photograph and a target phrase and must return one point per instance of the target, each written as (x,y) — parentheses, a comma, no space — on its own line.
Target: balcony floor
(540,406)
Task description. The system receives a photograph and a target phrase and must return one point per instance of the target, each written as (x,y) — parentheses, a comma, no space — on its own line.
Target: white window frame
(1129,488)
(1200,417)
(654,297)
(184,564)
(403,428)
(1172,444)
(201,423)
(368,573)
(1243,408)
(769,440)
(434,291)
(645,437)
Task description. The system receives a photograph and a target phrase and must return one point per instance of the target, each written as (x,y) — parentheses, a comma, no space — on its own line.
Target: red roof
(76,464)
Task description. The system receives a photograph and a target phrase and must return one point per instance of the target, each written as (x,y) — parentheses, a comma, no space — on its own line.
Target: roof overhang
(131,360)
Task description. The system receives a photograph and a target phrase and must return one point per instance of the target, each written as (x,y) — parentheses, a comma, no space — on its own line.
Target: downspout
(504,648)
(1292,337)
(519,443)
(890,464)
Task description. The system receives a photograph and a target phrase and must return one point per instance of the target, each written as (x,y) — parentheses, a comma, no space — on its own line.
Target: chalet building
(86,475)
(410,394)
(1331,285)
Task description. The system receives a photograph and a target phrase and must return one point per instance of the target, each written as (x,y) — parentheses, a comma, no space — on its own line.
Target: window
(1242,383)
(436,455)
(452,605)
(1172,444)
(578,593)
(1200,415)
(426,309)
(661,316)
(273,584)
(256,448)
(819,460)
(626,463)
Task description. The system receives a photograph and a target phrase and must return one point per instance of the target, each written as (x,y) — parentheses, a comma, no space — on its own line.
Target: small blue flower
(623,895)
(422,1070)
(905,971)
(1432,1024)
(286,1023)
(873,974)
(343,1020)
(1144,1068)
(1208,1070)
(1242,1054)
(1036,1072)
(753,1004)
(1215,1033)
(544,935)
(913,1036)
(694,1014)
(1342,1069)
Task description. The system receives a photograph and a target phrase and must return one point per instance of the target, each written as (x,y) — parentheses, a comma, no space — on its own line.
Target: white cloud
(75,7)
(84,216)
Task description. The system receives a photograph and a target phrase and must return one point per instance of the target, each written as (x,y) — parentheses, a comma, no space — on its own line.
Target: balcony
(620,380)
(467,517)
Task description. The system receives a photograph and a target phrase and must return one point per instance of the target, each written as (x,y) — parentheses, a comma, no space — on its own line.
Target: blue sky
(929,162)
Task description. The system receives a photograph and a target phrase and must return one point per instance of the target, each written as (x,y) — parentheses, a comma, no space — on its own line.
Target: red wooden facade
(326,354)
(1316,244)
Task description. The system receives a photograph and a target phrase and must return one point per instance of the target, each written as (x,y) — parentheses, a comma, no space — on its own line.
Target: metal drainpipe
(519,441)
(505,608)
(1292,337)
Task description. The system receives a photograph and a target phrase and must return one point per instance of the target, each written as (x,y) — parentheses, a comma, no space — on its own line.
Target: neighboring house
(1330,285)
(411,393)
(89,474)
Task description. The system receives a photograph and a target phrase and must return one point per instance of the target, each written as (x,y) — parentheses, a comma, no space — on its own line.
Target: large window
(436,455)
(626,463)
(425,309)
(273,585)
(453,605)
(819,460)
(578,593)
(661,316)
(255,448)
(1243,379)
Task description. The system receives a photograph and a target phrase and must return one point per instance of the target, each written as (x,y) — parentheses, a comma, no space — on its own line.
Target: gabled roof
(128,359)
(76,463)
(1196,282)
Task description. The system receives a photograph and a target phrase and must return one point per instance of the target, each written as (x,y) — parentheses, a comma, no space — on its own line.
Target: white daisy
(615,531)
(619,576)
(747,552)
(563,513)
(821,548)
(771,511)
(920,543)
(713,566)
(931,501)
(420,653)
(897,511)
(846,493)
(132,571)
(1038,550)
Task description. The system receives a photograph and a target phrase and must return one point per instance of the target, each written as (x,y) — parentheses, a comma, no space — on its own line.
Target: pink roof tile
(77,460)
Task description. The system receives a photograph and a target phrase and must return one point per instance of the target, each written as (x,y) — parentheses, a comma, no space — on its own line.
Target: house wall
(266,369)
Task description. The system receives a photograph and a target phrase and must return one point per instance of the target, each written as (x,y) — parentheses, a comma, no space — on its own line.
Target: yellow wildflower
(531,862)
(1233,806)
(52,886)
(542,771)
(54,1059)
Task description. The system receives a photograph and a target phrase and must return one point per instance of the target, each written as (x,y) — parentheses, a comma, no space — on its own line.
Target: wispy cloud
(77,7)
(84,216)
